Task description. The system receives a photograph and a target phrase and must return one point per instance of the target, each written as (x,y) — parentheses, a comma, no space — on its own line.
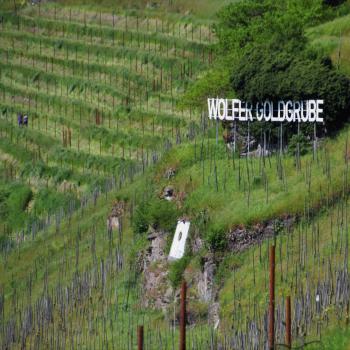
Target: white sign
(290,111)
(177,249)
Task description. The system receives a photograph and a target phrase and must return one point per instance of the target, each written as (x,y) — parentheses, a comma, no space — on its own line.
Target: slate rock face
(157,291)
(155,252)
(243,237)
(205,280)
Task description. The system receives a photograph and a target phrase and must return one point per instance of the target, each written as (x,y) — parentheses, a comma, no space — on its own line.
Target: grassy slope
(225,199)
(244,191)
(55,252)
(334,38)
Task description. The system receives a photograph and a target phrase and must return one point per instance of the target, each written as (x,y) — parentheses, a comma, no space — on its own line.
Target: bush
(17,202)
(140,220)
(160,214)
(304,144)
(163,215)
(19,197)
(216,239)
(176,271)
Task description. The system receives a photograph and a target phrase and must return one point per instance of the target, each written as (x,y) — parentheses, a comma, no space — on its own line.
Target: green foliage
(226,266)
(160,214)
(298,142)
(216,239)
(176,270)
(4,193)
(140,220)
(5,242)
(163,214)
(214,82)
(48,200)
(14,199)
(261,76)
(263,48)
(335,338)
(62,174)
(19,199)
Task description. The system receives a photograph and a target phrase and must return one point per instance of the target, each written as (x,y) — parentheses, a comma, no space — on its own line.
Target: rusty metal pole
(272,300)
(183,316)
(140,338)
(288,324)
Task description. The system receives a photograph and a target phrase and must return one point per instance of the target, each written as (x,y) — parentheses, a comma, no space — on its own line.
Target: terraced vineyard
(101,92)
(87,221)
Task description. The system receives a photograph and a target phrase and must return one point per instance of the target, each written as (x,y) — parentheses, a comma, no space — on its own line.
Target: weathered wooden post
(272,299)
(140,337)
(183,316)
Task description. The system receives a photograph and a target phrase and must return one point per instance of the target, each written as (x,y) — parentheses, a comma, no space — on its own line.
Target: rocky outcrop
(203,292)
(243,237)
(157,291)
(155,251)
(205,279)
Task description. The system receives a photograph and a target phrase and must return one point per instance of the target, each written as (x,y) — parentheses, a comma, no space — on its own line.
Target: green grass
(244,191)
(47,250)
(333,39)
(334,339)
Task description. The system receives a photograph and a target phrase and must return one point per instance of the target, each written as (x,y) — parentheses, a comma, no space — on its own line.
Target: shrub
(19,198)
(176,271)
(17,202)
(163,215)
(304,144)
(140,220)
(216,239)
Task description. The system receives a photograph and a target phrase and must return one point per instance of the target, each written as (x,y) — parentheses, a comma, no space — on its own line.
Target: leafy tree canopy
(262,53)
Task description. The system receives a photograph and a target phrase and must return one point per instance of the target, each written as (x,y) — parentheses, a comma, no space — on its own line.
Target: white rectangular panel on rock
(178,246)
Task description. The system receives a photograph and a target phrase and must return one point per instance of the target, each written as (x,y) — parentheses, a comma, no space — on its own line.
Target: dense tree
(262,76)
(263,53)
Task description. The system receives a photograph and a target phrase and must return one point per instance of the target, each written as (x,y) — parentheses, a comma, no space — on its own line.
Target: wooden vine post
(140,338)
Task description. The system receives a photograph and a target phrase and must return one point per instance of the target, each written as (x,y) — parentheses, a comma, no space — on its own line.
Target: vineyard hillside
(113,155)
